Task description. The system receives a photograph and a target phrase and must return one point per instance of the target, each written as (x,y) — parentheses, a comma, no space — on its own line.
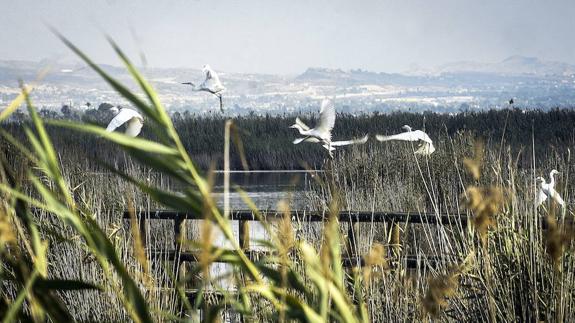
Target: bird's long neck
(552,180)
(301,130)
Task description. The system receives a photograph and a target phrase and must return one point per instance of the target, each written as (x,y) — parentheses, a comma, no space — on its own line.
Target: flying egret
(354,141)
(211,84)
(548,189)
(322,131)
(425,146)
(133,118)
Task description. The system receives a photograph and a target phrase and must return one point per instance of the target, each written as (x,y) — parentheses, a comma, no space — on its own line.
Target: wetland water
(265,188)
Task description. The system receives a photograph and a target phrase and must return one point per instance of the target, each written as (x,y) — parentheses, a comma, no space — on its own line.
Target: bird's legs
(221,103)
(328,143)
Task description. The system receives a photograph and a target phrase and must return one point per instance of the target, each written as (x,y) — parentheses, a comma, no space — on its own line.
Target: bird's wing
(425,149)
(212,81)
(302,124)
(404,136)
(298,140)
(422,136)
(556,196)
(326,116)
(541,197)
(354,141)
(306,139)
(134,127)
(122,117)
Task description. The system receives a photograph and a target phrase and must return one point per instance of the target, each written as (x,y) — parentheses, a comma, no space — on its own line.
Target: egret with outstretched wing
(210,84)
(134,120)
(339,143)
(322,131)
(425,146)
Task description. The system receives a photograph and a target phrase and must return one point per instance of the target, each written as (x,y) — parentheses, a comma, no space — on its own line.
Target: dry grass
(502,266)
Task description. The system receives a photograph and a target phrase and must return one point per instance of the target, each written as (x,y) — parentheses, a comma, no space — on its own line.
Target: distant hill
(513,65)
(452,87)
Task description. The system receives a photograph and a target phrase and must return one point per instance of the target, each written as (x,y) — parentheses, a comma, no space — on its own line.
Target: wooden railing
(181,256)
(245,216)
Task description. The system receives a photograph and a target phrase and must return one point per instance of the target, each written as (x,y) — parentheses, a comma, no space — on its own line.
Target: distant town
(452,88)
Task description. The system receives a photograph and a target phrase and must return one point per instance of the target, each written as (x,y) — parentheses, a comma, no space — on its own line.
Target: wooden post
(142,228)
(244,235)
(178,232)
(180,235)
(395,240)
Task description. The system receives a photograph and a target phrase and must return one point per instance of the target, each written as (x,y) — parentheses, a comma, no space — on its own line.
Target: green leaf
(15,307)
(121,89)
(13,106)
(118,138)
(188,203)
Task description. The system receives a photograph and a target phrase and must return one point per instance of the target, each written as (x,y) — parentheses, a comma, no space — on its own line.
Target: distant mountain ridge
(516,65)
(452,87)
(513,65)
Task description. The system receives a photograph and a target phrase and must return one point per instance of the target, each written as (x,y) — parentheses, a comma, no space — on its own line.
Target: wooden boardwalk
(244,217)
(180,256)
(314,216)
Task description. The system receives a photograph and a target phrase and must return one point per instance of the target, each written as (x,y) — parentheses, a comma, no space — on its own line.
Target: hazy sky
(268,36)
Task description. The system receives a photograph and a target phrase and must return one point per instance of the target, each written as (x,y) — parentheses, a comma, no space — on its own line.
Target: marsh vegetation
(67,254)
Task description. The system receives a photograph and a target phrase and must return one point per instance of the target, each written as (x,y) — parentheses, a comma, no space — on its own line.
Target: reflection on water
(265,188)
(263,200)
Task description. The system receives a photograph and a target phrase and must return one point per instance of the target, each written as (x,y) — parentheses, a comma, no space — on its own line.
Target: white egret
(354,141)
(547,190)
(211,84)
(425,146)
(133,118)
(322,131)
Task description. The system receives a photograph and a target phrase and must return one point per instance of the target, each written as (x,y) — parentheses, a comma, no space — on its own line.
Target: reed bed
(74,259)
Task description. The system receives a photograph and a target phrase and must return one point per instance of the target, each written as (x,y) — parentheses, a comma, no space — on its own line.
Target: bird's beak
(293,126)
(188,83)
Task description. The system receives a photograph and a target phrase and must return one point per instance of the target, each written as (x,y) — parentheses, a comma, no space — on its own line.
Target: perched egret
(322,131)
(211,84)
(425,146)
(133,118)
(548,190)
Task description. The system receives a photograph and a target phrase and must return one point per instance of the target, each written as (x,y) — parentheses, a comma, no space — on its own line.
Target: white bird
(322,131)
(133,118)
(211,84)
(548,190)
(354,141)
(425,146)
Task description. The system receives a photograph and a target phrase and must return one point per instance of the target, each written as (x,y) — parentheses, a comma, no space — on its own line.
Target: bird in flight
(322,131)
(425,146)
(354,141)
(211,84)
(547,190)
(133,118)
